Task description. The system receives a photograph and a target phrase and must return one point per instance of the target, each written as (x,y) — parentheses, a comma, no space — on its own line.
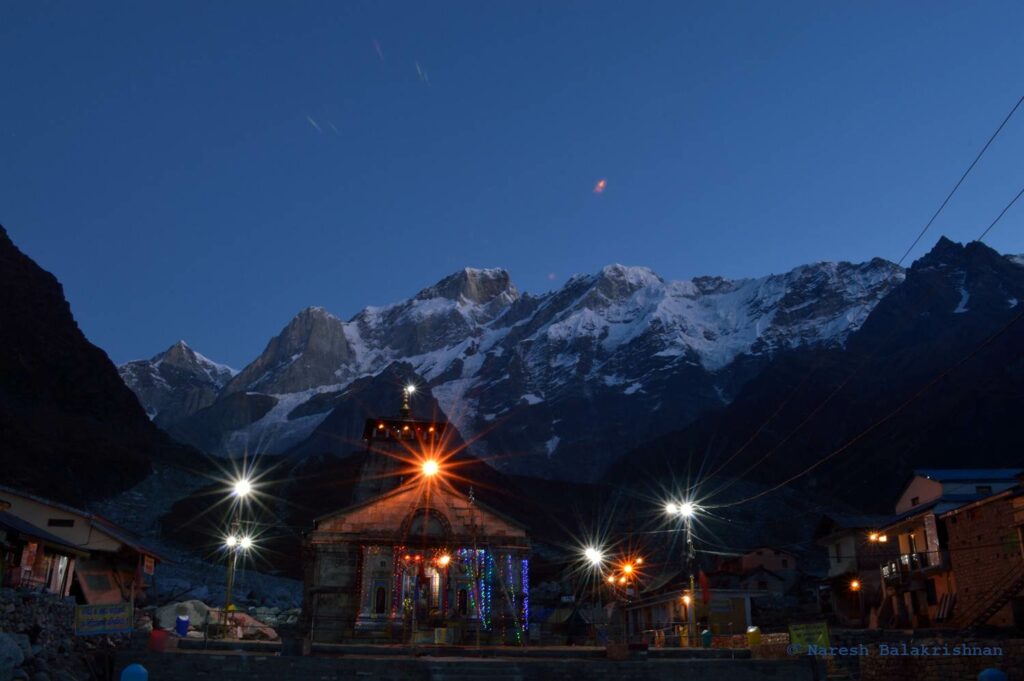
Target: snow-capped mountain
(574,377)
(933,378)
(176,383)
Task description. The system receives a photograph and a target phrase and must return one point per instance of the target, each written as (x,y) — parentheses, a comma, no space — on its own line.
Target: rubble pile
(37,638)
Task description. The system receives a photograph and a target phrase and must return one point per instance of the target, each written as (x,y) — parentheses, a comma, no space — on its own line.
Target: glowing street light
(444,560)
(627,568)
(231,541)
(242,488)
(855,585)
(593,556)
(245,543)
(430,468)
(687,510)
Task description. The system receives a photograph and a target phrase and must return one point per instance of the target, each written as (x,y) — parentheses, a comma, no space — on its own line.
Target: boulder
(11,656)
(25,644)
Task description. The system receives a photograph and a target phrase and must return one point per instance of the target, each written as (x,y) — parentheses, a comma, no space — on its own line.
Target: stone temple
(415,558)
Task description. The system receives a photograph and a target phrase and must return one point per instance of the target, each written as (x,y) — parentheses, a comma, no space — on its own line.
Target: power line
(864,360)
(1000,216)
(862,434)
(962,178)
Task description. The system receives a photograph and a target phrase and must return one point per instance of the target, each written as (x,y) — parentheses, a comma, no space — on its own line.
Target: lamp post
(686,511)
(595,557)
(235,541)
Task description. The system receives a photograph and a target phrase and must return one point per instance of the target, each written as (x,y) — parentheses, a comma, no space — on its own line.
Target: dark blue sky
(161,160)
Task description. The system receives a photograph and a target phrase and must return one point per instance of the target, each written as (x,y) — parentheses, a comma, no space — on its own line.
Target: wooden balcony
(907,566)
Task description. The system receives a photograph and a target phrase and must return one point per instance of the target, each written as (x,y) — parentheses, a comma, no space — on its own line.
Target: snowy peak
(306,354)
(475,286)
(182,356)
(175,383)
(622,345)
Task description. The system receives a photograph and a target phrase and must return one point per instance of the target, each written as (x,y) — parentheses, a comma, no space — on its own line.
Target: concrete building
(855,549)
(97,560)
(920,583)
(986,551)
(660,613)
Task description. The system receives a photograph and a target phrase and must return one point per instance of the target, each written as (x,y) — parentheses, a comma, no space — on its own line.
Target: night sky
(205,170)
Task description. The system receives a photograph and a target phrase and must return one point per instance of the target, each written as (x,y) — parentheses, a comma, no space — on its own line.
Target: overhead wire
(820,405)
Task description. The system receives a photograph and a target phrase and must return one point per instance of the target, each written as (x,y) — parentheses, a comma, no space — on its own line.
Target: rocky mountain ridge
(572,376)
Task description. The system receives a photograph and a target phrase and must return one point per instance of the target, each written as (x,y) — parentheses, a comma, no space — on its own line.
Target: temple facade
(418,560)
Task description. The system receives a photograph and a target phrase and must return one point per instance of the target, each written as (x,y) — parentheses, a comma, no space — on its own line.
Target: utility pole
(691,610)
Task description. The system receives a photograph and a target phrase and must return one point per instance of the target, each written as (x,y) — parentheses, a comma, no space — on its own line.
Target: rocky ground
(37,641)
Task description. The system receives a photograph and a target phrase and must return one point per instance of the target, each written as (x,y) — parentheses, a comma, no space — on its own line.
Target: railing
(904,565)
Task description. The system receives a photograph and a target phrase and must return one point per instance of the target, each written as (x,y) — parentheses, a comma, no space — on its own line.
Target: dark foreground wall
(247,667)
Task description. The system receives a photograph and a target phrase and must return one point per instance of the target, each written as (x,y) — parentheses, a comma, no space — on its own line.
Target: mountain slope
(69,427)
(941,359)
(176,383)
(557,384)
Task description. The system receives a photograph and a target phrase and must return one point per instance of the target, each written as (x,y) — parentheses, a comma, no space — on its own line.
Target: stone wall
(943,663)
(37,638)
(241,667)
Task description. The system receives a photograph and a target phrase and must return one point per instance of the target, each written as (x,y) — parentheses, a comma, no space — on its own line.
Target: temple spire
(407,391)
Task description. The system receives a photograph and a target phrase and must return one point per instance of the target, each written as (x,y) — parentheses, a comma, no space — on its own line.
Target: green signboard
(801,636)
(111,618)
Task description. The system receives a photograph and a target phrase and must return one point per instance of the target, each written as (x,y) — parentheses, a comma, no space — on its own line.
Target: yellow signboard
(112,618)
(802,636)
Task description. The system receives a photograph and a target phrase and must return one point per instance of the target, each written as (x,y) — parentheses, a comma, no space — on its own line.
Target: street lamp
(687,510)
(430,468)
(242,488)
(593,556)
(235,542)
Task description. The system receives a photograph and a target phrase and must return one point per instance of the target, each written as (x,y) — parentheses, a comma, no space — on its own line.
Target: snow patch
(532,399)
(551,445)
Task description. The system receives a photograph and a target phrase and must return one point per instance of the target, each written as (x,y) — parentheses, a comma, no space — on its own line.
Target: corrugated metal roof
(100,523)
(970,474)
(21,526)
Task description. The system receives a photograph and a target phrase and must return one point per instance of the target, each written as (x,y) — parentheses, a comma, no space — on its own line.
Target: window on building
(60,522)
(914,501)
